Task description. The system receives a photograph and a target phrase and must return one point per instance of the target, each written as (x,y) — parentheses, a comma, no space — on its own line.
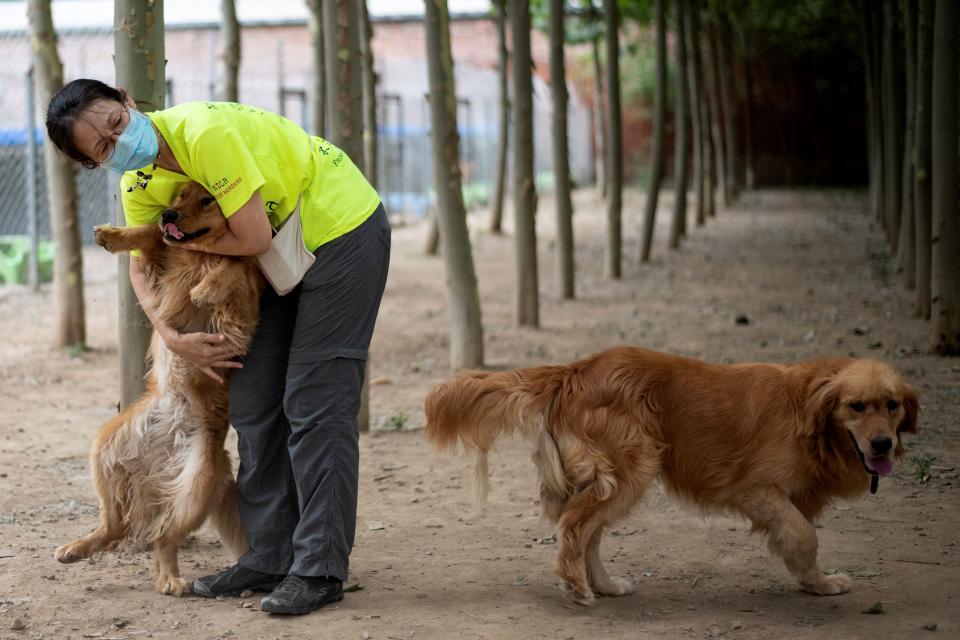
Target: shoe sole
(283,611)
(263,588)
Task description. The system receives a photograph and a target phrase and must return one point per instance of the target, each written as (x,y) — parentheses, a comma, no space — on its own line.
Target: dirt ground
(806,268)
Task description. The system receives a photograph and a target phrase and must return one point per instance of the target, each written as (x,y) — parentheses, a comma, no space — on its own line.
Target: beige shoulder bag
(288,260)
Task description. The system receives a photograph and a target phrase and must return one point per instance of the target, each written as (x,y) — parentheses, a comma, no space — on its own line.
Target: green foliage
(396,421)
(921,466)
(798,29)
(638,70)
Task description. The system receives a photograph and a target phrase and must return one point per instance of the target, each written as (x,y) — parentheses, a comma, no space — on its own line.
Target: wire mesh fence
(275,75)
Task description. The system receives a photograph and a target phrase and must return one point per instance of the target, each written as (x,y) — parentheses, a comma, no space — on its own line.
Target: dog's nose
(169,216)
(881,445)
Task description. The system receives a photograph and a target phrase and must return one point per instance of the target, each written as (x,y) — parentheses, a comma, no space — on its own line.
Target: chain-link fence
(23,179)
(275,75)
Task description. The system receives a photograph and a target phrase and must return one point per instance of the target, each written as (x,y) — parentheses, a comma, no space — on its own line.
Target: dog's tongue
(171,230)
(880,466)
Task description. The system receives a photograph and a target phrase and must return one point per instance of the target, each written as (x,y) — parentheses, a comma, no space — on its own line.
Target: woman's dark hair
(67,104)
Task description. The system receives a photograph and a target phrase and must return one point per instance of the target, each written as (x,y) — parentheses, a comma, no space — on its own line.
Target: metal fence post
(32,209)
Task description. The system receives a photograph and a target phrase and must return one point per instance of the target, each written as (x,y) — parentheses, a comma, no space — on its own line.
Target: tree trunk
(871,58)
(600,119)
(61,184)
(140,61)
(696,108)
(466,334)
(711,73)
(656,154)
(503,135)
(431,244)
(892,123)
(561,154)
(905,245)
(680,114)
(922,193)
(749,178)
(318,77)
(527,306)
(614,143)
(369,82)
(344,98)
(230,55)
(708,168)
(728,97)
(344,94)
(945,237)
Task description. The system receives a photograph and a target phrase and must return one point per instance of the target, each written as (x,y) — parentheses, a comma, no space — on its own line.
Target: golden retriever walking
(773,443)
(160,467)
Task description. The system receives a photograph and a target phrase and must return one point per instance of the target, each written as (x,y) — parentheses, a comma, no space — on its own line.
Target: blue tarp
(18,137)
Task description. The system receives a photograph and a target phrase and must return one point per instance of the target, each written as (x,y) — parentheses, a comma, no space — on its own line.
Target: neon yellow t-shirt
(234,151)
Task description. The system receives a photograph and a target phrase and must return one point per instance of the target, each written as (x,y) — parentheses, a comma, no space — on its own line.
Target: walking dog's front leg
(792,537)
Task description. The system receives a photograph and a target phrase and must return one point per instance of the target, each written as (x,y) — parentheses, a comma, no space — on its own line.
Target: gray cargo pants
(294,405)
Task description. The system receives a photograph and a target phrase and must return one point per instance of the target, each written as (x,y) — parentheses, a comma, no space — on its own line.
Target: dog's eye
(206,201)
(892,405)
(859,407)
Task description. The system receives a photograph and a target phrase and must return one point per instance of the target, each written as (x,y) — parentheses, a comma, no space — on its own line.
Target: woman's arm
(204,350)
(248,232)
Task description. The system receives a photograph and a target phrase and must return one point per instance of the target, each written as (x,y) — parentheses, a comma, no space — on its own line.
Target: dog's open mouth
(874,465)
(173,233)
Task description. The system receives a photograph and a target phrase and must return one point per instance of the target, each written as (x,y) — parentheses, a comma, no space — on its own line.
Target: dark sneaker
(296,595)
(234,581)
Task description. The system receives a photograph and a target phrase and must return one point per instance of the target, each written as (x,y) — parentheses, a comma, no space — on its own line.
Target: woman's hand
(203,350)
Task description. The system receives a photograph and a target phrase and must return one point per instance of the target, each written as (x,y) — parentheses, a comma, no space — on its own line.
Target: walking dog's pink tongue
(880,466)
(171,230)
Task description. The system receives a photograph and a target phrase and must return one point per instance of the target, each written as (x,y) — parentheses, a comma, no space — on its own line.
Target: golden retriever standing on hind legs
(773,443)
(160,467)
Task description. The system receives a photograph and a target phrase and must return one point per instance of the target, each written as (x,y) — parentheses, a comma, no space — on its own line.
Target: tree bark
(696,108)
(527,305)
(892,131)
(369,83)
(711,73)
(727,96)
(748,158)
(503,135)
(318,75)
(561,154)
(922,192)
(945,237)
(614,143)
(344,94)
(708,168)
(70,316)
(871,58)
(140,61)
(600,116)
(678,223)
(656,154)
(466,334)
(905,244)
(230,55)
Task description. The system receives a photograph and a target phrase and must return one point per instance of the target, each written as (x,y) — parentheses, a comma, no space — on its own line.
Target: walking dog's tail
(474,408)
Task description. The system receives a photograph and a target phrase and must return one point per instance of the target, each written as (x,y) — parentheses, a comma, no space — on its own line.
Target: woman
(294,397)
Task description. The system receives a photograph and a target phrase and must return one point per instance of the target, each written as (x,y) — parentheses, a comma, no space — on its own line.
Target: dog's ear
(822,397)
(911,407)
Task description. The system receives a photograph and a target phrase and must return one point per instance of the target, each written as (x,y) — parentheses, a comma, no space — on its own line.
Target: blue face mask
(136,147)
